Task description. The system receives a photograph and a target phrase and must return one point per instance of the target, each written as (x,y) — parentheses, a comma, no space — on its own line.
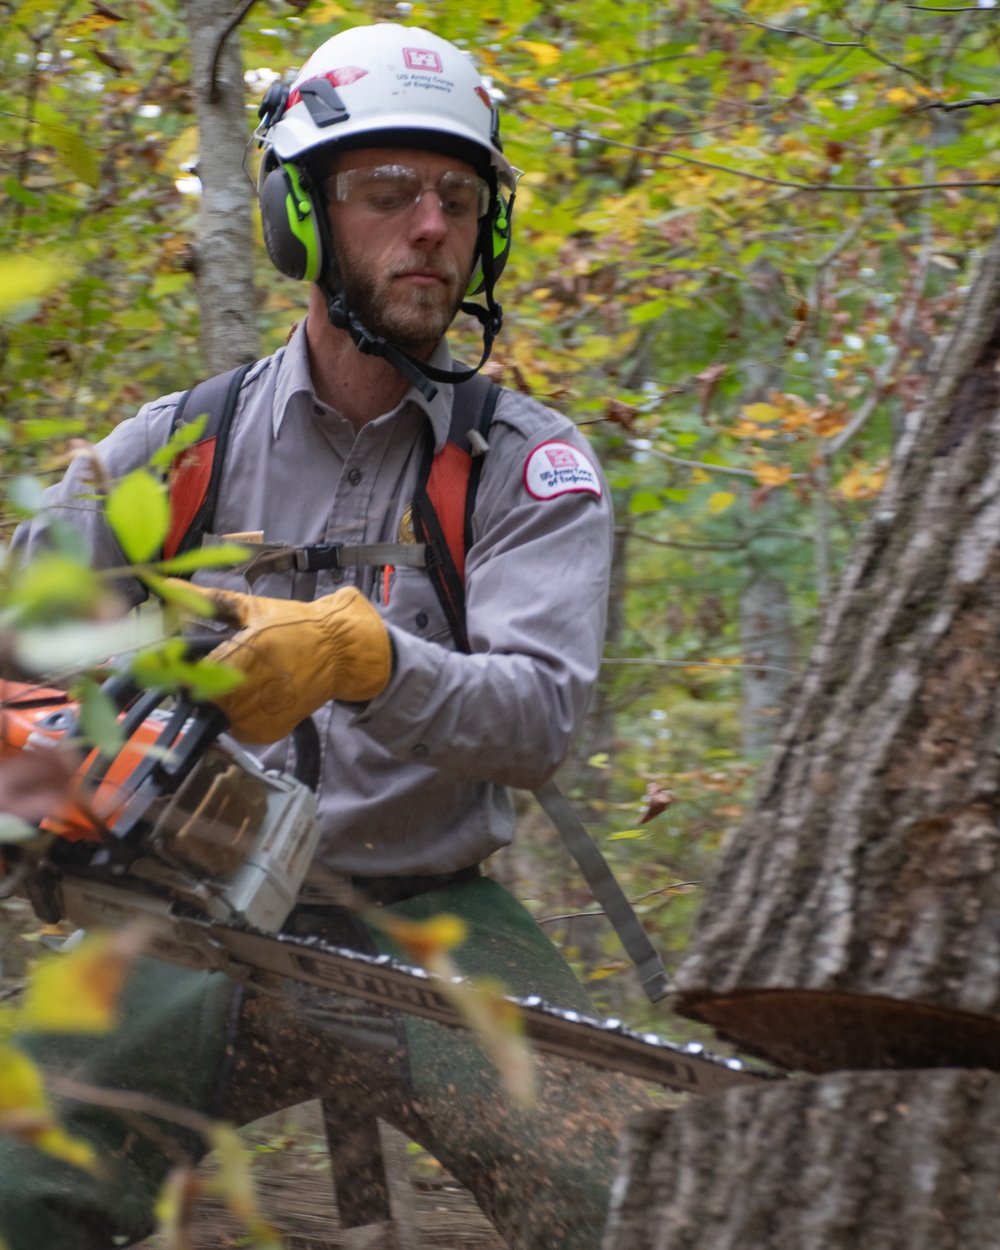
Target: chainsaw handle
(308,753)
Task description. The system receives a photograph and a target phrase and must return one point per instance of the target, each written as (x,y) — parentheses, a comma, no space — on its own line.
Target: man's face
(405,262)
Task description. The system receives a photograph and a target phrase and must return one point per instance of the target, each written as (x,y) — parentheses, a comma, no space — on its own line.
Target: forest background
(740,237)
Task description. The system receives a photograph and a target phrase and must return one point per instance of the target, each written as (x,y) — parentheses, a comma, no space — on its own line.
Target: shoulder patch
(558,468)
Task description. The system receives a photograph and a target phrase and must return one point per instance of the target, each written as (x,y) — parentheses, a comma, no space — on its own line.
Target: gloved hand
(296,657)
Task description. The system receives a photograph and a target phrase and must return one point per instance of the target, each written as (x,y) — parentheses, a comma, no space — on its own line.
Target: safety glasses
(388,190)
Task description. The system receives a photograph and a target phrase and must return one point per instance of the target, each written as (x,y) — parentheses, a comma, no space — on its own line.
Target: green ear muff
(291,228)
(501,241)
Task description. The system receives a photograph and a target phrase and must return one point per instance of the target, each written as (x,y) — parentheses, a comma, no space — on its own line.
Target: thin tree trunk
(856,915)
(856,1161)
(225,247)
(765,639)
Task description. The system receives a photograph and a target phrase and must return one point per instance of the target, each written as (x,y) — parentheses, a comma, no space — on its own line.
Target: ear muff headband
(290,223)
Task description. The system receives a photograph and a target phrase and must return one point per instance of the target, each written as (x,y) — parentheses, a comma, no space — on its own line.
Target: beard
(406,315)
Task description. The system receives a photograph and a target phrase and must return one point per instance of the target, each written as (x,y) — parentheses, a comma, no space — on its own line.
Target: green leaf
(178,593)
(644,501)
(77,645)
(26,277)
(14,829)
(225,555)
(26,495)
(41,429)
(648,312)
(52,587)
(137,512)
(168,668)
(75,151)
(99,719)
(189,432)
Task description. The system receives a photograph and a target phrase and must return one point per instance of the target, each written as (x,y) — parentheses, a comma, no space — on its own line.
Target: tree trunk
(856,1161)
(225,248)
(855,920)
(765,639)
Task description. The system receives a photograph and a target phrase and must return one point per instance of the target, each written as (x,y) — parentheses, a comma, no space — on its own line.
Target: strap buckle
(318,556)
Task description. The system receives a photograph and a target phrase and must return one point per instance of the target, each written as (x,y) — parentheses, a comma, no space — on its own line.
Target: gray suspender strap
(606,890)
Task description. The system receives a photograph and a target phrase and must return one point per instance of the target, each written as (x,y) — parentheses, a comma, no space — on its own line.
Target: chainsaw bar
(245,954)
(380,979)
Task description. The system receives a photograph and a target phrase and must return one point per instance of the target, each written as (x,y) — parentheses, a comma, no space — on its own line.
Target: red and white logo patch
(559,468)
(422,58)
(338,77)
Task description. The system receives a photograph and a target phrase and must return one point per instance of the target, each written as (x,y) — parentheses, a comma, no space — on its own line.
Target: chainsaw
(187,833)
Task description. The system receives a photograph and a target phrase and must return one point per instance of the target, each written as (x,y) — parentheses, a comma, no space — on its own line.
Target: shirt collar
(294,379)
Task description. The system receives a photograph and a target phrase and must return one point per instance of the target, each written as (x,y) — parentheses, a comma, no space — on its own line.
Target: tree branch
(572,915)
(668,542)
(958,104)
(757,668)
(863,188)
(227,30)
(620,69)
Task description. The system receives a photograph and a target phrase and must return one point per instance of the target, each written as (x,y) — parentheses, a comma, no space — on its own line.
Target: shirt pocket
(413,605)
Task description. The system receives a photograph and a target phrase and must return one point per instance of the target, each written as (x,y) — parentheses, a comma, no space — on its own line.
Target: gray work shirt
(415,781)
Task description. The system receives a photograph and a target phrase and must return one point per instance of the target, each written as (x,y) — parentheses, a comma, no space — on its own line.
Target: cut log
(852,1161)
(866,876)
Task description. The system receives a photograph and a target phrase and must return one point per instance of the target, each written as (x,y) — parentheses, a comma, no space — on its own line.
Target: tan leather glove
(297,656)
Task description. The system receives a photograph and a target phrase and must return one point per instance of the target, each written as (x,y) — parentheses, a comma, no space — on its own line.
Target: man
(383,183)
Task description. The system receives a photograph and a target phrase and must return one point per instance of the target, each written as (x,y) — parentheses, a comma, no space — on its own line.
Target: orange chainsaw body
(23,710)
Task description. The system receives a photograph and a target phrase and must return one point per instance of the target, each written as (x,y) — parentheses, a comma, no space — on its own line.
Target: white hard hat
(384,81)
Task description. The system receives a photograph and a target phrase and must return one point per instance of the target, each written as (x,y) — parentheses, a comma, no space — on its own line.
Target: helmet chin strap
(417,372)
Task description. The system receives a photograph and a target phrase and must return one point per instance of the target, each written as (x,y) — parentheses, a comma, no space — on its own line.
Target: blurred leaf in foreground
(25,1112)
(493,1018)
(78,992)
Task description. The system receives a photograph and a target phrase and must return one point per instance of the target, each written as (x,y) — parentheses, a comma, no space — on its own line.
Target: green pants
(541,1176)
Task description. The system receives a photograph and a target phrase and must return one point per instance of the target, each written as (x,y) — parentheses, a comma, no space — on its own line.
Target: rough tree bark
(855,921)
(855,1161)
(225,248)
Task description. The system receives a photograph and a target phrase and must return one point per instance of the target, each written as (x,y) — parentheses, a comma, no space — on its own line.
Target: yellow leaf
(544,53)
(26,1115)
(499,1026)
(861,483)
(26,277)
(91,24)
(21,1084)
(233,1183)
(423,940)
(761,412)
(902,97)
(174,1207)
(720,501)
(600,760)
(624,834)
(78,992)
(608,970)
(700,476)
(772,474)
(56,1141)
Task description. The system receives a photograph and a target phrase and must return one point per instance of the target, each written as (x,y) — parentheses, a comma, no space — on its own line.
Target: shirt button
(420,750)
(422,619)
(354,476)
